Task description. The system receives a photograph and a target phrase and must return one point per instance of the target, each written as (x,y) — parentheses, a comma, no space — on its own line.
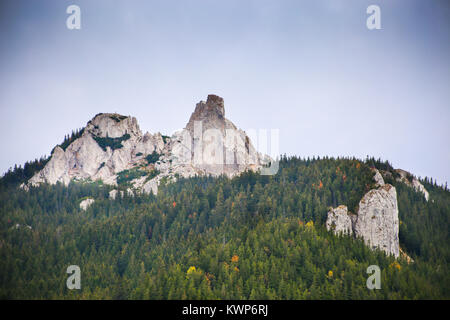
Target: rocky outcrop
(377,220)
(86,203)
(411,181)
(114,193)
(113,149)
(379,181)
(405,256)
(18,226)
(339,221)
(211,144)
(110,143)
(212,115)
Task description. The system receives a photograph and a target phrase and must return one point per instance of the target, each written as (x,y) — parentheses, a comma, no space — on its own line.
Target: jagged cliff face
(212,115)
(379,181)
(411,181)
(90,158)
(376,221)
(339,221)
(111,144)
(217,146)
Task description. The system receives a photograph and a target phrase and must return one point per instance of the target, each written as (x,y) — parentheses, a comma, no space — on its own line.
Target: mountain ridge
(112,144)
(113,150)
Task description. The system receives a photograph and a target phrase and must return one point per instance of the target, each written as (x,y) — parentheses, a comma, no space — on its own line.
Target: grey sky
(310,68)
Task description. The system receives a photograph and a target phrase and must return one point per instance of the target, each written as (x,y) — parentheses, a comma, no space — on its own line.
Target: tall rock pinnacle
(211,114)
(376,222)
(213,108)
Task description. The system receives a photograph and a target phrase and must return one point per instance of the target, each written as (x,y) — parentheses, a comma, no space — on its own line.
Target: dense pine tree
(250,237)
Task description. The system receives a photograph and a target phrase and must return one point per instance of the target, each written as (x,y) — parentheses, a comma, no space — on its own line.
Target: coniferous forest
(249,237)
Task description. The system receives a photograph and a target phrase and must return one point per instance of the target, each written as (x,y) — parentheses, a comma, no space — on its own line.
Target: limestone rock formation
(339,221)
(109,144)
(112,148)
(211,144)
(379,181)
(86,203)
(377,222)
(18,226)
(411,181)
(405,256)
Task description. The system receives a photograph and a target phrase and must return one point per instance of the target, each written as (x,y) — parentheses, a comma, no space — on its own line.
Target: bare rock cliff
(376,222)
(379,181)
(339,221)
(110,143)
(113,149)
(411,181)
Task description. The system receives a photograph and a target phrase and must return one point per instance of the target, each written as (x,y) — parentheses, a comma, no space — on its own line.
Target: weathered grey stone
(86,203)
(212,145)
(379,181)
(377,222)
(411,181)
(18,226)
(420,188)
(209,145)
(84,159)
(339,221)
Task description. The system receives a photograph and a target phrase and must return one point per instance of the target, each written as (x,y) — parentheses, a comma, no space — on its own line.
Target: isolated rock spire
(376,221)
(211,112)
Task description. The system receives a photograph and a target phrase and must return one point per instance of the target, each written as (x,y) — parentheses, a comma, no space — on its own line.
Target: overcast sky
(309,68)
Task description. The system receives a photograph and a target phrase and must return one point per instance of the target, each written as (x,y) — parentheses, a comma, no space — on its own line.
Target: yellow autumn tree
(191,270)
(395,265)
(235,258)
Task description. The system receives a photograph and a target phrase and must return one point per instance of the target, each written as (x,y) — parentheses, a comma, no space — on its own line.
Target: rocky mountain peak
(112,148)
(211,114)
(113,125)
(217,103)
(213,107)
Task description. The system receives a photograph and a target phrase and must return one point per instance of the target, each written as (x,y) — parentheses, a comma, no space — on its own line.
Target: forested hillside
(250,237)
